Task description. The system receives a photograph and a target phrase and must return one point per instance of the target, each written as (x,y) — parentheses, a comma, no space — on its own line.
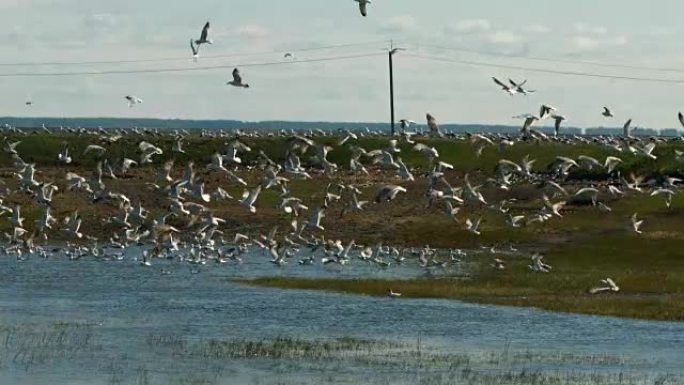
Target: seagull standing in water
(237,80)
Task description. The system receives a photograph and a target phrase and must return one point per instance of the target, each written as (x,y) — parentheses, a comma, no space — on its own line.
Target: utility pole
(392,51)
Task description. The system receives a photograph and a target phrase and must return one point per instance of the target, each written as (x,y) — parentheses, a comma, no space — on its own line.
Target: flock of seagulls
(186,228)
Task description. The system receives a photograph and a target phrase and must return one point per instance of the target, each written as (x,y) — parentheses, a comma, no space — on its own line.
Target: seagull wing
(497,81)
(205,32)
(236,76)
(625,128)
(195,50)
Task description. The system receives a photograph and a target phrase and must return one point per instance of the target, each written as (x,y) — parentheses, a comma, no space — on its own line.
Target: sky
(565,34)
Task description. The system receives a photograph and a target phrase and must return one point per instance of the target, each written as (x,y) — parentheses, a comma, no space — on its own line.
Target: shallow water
(121,306)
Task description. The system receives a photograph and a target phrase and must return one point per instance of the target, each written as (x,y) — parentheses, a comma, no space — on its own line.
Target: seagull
(98,150)
(433,126)
(668,195)
(608,286)
(178,146)
(508,89)
(132,100)
(607,112)
(363,4)
(611,162)
(63,156)
(17,220)
(388,193)
(393,294)
(514,221)
(681,118)
(204,37)
(237,80)
(626,132)
(519,87)
(72,225)
(473,227)
(250,197)
(405,124)
(11,148)
(647,150)
(558,119)
(636,224)
(546,110)
(538,265)
(195,50)
(525,130)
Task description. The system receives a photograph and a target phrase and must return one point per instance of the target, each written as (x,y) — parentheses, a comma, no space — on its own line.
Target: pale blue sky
(614,31)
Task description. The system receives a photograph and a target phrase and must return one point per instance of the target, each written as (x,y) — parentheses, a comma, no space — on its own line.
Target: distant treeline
(173,124)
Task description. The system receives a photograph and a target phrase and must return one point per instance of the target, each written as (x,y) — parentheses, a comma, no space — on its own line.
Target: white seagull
(636,224)
(608,286)
(133,100)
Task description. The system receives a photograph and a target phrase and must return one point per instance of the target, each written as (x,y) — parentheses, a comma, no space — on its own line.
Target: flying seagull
(195,49)
(237,80)
(132,100)
(626,129)
(363,4)
(511,91)
(558,119)
(204,37)
(519,87)
(607,112)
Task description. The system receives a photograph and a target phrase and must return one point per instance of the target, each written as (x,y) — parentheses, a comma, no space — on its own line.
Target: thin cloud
(398,24)
(472,26)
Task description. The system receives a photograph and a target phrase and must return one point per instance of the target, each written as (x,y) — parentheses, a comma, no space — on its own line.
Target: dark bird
(237,80)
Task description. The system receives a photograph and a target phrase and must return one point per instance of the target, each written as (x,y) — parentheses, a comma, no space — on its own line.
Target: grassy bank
(649,272)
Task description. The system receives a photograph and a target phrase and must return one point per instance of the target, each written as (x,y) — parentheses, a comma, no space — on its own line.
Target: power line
(188,69)
(544,70)
(186,58)
(550,60)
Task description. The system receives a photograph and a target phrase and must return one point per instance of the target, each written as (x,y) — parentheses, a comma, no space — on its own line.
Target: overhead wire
(190,69)
(547,59)
(543,70)
(186,58)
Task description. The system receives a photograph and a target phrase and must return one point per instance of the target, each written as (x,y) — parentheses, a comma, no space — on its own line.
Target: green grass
(652,286)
